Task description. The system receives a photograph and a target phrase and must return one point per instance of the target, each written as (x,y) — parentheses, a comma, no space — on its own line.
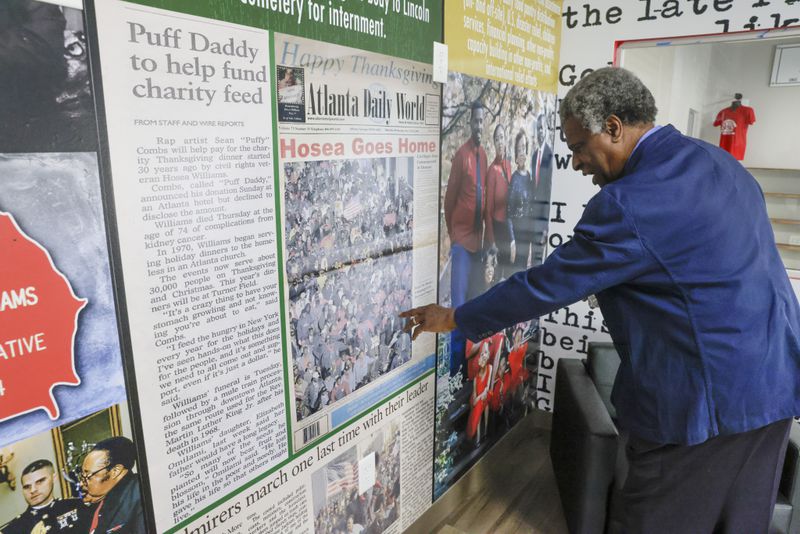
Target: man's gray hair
(605,92)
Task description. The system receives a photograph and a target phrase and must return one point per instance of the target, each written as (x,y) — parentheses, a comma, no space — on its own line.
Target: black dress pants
(726,485)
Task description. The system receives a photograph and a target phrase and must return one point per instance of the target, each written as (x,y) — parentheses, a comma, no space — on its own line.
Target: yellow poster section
(514,41)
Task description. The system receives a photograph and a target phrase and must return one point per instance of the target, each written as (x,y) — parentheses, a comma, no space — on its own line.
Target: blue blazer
(682,258)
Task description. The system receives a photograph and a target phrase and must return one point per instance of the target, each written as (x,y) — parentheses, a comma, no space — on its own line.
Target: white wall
(678,77)
(706,76)
(589,31)
(773,141)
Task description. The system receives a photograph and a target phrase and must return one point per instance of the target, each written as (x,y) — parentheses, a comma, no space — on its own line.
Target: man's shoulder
(696,151)
(675,166)
(467,147)
(125,497)
(13,525)
(606,199)
(128,488)
(668,147)
(19,523)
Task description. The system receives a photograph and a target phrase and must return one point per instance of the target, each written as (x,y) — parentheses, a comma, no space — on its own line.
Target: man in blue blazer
(678,248)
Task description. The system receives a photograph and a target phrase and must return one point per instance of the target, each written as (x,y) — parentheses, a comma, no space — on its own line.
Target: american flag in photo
(352,209)
(341,476)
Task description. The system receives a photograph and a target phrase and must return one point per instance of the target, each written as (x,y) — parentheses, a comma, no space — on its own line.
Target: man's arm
(605,251)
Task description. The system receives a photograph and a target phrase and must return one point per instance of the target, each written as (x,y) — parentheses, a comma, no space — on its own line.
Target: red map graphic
(38,323)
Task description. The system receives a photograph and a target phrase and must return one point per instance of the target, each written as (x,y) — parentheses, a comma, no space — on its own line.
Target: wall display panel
(511,41)
(359,157)
(60,343)
(190,144)
(42,486)
(276,201)
(401,28)
(375,473)
(273,210)
(589,32)
(497,163)
(61,371)
(485,388)
(59,348)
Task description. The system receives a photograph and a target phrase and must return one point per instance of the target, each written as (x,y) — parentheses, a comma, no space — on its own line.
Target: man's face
(593,154)
(500,142)
(97,479)
(484,357)
(37,486)
(476,124)
(521,152)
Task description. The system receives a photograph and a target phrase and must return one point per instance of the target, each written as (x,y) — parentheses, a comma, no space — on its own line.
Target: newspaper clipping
(190,140)
(359,151)
(276,213)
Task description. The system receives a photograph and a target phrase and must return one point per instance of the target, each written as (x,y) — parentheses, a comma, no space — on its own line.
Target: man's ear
(613,127)
(117,471)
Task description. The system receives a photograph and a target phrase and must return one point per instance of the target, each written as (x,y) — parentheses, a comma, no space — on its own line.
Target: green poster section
(402,28)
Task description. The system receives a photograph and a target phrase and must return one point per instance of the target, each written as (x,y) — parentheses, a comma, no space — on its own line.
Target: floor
(511,490)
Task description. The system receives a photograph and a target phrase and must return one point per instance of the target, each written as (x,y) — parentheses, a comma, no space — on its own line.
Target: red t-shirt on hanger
(734,123)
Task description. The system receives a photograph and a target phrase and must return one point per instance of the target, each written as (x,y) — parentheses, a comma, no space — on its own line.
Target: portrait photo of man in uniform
(46,513)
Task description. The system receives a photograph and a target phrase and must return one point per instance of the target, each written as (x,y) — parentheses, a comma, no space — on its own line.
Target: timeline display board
(498,127)
(216,211)
(192,169)
(358,151)
(276,200)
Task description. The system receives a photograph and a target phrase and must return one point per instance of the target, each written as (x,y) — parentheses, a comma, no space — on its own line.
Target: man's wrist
(451,319)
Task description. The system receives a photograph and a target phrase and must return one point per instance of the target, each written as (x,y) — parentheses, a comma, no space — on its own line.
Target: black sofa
(587,455)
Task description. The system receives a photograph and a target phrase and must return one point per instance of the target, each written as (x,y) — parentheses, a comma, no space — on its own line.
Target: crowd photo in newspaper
(348,227)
